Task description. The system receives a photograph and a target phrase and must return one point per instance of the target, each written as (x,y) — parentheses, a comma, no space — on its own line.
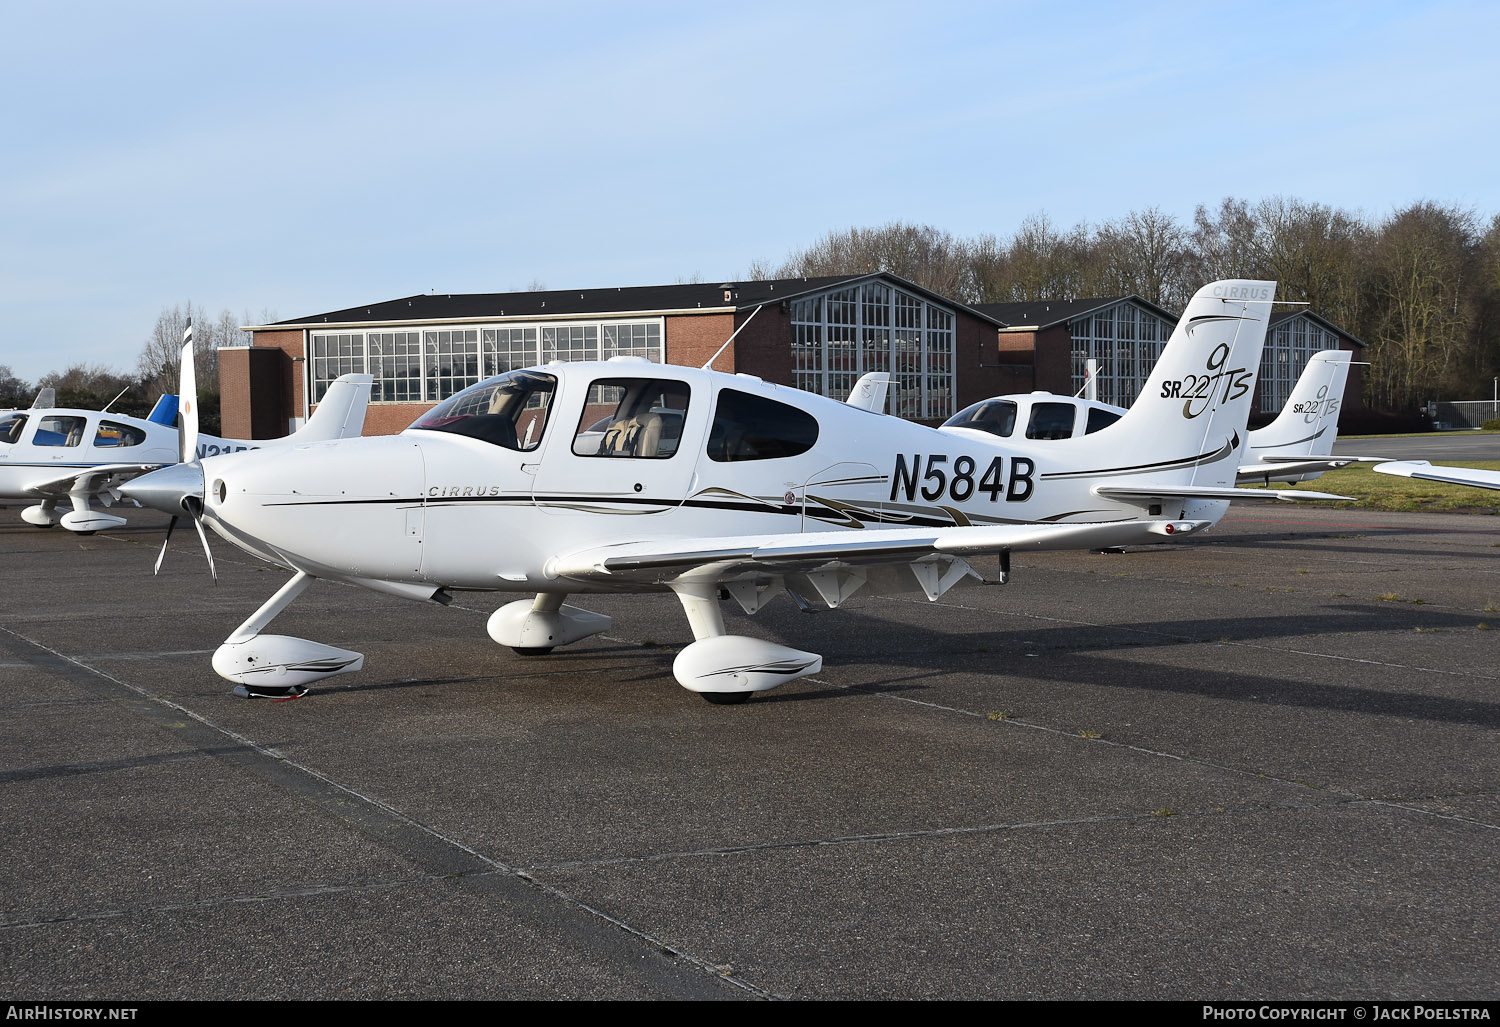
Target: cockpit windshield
(11,426)
(509,411)
(996,416)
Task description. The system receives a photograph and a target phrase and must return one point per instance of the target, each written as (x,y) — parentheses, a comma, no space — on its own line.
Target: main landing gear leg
(278,666)
(727,669)
(537,627)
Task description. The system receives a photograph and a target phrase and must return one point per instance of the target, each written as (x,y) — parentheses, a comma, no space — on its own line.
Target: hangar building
(818,334)
(1126,334)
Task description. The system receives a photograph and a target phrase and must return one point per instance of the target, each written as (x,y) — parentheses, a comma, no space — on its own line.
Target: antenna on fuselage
(112,402)
(727,341)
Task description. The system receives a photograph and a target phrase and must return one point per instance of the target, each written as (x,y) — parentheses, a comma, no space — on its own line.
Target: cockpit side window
(633,417)
(509,411)
(996,416)
(59,430)
(11,427)
(113,435)
(750,427)
(1051,421)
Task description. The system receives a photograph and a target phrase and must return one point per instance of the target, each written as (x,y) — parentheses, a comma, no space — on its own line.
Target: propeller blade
(163,554)
(198,523)
(187,408)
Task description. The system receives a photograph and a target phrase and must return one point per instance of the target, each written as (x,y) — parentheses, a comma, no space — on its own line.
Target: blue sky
(301,157)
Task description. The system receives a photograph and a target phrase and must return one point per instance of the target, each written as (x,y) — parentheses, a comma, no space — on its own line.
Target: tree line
(91,386)
(1420,287)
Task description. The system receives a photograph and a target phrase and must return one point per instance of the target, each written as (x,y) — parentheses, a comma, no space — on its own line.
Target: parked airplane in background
(54,457)
(697,482)
(1297,446)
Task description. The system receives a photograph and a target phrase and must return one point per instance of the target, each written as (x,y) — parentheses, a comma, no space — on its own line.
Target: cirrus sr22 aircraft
(699,482)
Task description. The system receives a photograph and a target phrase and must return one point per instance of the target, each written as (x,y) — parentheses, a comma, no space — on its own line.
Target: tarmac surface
(1259,764)
(1435,447)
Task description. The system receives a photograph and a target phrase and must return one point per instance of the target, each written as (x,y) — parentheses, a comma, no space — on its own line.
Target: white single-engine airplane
(698,482)
(52,455)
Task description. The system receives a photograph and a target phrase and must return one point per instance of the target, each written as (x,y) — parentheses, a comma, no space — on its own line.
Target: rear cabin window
(996,416)
(58,430)
(632,417)
(1100,419)
(509,411)
(1051,421)
(112,435)
(750,427)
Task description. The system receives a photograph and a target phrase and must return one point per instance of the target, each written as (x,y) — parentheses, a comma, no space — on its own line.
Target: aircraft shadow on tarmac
(1071,653)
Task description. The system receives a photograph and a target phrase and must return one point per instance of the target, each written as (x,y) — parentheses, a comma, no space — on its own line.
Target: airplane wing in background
(99,478)
(1437,472)
(1213,492)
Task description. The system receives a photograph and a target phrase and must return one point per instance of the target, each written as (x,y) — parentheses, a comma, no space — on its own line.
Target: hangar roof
(1039,314)
(1285,315)
(648,299)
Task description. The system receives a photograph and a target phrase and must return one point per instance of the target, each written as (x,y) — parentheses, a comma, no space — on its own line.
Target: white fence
(1469,413)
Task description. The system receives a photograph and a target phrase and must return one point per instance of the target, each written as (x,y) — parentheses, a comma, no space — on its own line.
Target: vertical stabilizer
(1189,423)
(1308,423)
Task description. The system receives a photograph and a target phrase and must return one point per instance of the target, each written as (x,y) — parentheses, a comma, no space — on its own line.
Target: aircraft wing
(87,479)
(725,558)
(1149,491)
(1451,475)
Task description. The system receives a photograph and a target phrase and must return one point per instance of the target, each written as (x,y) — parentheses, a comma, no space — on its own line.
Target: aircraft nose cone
(168,489)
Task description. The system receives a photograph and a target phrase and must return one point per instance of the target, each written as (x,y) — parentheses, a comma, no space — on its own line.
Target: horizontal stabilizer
(1426,471)
(1148,491)
(1280,468)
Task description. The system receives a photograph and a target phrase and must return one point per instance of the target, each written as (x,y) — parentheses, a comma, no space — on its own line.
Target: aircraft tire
(726,698)
(531,650)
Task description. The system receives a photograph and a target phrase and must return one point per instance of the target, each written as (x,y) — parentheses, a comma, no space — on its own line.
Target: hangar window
(996,416)
(58,430)
(333,355)
(113,435)
(639,417)
(396,363)
(452,359)
(1289,347)
(433,364)
(750,427)
(1126,339)
(875,326)
(509,411)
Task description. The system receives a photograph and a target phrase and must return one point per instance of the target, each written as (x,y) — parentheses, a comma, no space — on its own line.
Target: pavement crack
(932,832)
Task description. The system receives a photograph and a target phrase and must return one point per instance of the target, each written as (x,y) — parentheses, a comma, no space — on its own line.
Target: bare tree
(1146,253)
(1224,243)
(162,353)
(13,391)
(1422,321)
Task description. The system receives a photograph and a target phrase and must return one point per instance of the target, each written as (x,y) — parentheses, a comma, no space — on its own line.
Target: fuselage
(40,445)
(487,489)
